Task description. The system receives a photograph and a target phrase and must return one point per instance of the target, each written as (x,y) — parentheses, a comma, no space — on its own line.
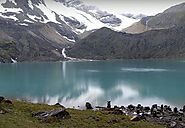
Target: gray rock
(59,114)
(8,101)
(135,118)
(1,98)
(117,112)
(172,124)
(88,105)
(59,105)
(108,104)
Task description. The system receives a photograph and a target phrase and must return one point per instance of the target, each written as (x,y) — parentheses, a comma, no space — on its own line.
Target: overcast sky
(148,7)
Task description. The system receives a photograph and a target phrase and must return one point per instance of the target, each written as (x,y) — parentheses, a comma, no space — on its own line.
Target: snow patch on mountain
(23,24)
(127,22)
(9,17)
(73,15)
(28,21)
(65,37)
(30,4)
(49,13)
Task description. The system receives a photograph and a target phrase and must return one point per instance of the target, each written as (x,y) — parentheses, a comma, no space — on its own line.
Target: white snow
(15,10)
(90,21)
(63,52)
(14,61)
(23,24)
(87,19)
(1,7)
(93,11)
(33,17)
(49,13)
(9,17)
(30,4)
(28,21)
(68,39)
(65,56)
(13,1)
(126,22)
(51,7)
(65,37)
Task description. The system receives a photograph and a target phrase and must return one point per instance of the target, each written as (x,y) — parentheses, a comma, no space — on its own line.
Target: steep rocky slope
(40,29)
(108,44)
(172,17)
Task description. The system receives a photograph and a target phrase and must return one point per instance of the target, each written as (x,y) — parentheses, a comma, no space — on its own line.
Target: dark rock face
(172,17)
(31,43)
(108,44)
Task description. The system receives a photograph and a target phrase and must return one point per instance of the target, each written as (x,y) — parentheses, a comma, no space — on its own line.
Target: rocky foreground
(20,114)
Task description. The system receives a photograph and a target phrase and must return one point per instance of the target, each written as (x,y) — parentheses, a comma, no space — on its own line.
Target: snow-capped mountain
(74,13)
(134,16)
(40,29)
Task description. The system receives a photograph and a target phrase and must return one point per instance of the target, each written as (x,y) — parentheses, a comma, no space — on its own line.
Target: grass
(20,116)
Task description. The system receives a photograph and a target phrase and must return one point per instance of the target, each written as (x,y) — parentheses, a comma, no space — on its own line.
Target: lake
(73,83)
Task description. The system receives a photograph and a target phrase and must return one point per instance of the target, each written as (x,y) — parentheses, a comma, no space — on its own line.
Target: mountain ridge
(171,17)
(40,29)
(108,44)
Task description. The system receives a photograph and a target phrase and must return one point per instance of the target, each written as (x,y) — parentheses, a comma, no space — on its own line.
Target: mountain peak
(74,13)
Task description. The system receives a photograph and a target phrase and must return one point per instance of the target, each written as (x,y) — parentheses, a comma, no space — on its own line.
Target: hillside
(172,17)
(108,44)
(20,115)
(38,30)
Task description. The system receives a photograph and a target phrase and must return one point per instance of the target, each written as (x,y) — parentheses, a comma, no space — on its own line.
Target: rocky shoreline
(158,114)
(161,114)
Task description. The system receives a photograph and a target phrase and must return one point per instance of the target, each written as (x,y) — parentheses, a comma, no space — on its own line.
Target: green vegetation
(20,116)
(7,50)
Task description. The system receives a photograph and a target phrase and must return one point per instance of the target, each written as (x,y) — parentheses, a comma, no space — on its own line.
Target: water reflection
(119,95)
(74,83)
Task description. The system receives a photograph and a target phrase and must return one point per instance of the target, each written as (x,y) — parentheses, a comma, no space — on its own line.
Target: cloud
(147,7)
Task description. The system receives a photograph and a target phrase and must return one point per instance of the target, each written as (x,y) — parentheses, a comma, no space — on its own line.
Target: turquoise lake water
(73,83)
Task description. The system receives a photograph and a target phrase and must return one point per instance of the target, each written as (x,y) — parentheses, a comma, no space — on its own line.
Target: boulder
(88,105)
(131,107)
(1,98)
(172,124)
(137,118)
(175,110)
(162,107)
(108,104)
(183,109)
(59,105)
(8,101)
(147,109)
(59,114)
(117,112)
(154,106)
(138,106)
